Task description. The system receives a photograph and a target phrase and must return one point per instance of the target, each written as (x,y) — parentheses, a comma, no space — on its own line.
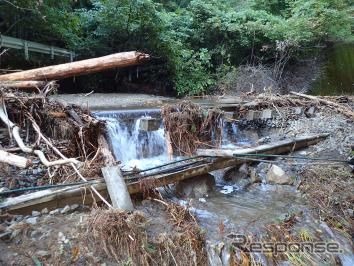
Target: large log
(79,67)
(52,198)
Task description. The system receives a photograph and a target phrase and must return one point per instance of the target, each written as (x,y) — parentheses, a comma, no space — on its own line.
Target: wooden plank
(279,147)
(59,198)
(82,67)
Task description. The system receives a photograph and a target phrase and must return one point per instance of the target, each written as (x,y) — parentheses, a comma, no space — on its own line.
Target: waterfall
(133,147)
(145,149)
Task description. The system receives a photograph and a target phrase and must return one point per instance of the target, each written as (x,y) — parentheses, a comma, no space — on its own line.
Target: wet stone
(32,220)
(276,175)
(196,187)
(43,254)
(45,211)
(74,207)
(54,212)
(66,209)
(36,213)
(310,112)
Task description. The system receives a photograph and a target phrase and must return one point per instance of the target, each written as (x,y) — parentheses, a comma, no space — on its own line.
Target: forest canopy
(193,43)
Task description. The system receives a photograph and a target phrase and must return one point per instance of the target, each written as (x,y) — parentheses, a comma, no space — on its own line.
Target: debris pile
(50,142)
(190,127)
(125,237)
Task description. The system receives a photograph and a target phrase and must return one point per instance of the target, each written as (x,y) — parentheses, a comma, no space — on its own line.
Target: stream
(238,210)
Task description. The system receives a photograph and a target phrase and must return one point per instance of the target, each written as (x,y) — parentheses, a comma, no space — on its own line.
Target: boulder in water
(239,176)
(276,175)
(196,187)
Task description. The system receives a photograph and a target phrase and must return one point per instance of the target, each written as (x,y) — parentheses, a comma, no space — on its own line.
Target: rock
(3,189)
(74,207)
(36,234)
(255,178)
(298,110)
(203,200)
(310,112)
(61,237)
(36,213)
(43,254)
(264,140)
(276,175)
(15,233)
(239,176)
(196,187)
(54,212)
(2,228)
(350,212)
(32,220)
(66,209)
(19,218)
(45,211)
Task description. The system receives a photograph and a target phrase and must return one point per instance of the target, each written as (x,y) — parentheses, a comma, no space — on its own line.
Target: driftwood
(105,151)
(37,129)
(339,107)
(15,160)
(52,198)
(79,67)
(25,84)
(16,134)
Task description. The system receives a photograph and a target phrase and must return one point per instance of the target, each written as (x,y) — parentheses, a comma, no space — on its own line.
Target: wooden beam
(280,147)
(79,194)
(82,67)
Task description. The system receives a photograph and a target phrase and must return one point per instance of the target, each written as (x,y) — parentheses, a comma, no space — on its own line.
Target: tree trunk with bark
(79,67)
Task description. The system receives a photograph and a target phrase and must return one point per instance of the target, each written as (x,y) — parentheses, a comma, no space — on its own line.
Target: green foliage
(193,39)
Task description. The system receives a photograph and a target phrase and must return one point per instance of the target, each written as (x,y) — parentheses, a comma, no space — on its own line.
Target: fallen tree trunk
(339,107)
(25,84)
(79,67)
(59,198)
(14,160)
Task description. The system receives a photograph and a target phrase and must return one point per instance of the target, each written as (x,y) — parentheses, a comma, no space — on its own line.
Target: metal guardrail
(28,46)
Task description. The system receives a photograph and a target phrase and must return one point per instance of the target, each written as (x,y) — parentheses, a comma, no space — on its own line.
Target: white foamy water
(133,147)
(145,149)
